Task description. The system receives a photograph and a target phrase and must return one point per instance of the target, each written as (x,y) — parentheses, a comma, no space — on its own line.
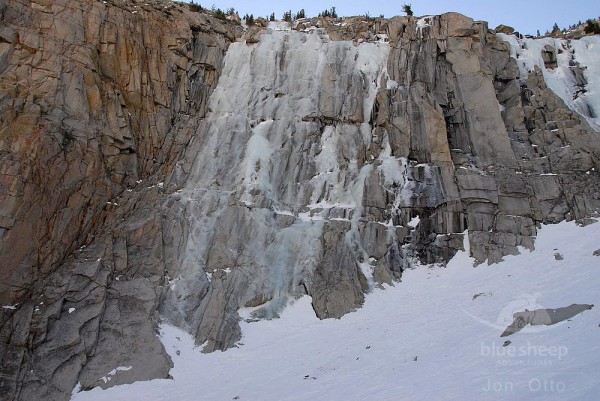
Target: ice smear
(414,222)
(424,22)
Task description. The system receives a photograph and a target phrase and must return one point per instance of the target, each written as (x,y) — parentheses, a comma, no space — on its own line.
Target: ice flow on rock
(277,189)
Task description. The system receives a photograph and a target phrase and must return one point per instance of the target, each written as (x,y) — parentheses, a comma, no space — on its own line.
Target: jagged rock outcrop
(151,168)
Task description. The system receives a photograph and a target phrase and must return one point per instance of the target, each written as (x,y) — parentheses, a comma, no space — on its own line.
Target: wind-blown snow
(435,336)
(585,51)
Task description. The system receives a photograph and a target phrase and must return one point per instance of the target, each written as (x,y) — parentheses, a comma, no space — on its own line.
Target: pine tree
(592,27)
(220,14)
(329,13)
(196,7)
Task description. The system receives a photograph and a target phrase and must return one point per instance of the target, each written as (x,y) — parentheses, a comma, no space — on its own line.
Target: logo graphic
(524,314)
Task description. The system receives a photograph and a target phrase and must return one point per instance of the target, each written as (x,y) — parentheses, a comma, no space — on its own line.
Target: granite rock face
(97,101)
(158,164)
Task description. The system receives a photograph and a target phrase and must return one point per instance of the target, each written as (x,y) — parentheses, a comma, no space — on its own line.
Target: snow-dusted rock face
(211,179)
(571,69)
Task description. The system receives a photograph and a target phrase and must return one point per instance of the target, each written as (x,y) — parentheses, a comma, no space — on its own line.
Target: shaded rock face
(97,101)
(150,169)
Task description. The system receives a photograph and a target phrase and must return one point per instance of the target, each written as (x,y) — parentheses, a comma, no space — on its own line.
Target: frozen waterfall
(281,166)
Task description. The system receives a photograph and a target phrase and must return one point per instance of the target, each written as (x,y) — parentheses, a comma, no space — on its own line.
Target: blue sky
(524,15)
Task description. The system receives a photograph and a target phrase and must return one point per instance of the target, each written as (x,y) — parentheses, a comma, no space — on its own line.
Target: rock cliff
(157,163)
(97,102)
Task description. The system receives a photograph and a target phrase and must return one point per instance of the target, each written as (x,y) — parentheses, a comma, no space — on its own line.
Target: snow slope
(528,53)
(435,336)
